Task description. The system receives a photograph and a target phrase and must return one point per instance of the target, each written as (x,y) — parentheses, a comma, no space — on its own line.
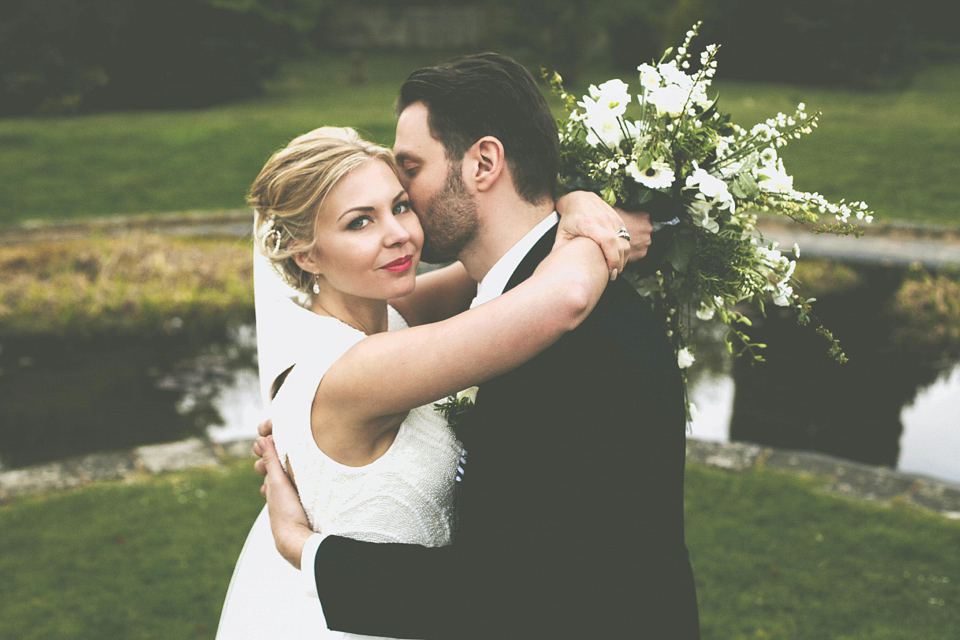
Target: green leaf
(744,186)
(684,246)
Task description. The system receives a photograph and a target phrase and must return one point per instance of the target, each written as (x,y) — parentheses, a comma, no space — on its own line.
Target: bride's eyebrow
(367,208)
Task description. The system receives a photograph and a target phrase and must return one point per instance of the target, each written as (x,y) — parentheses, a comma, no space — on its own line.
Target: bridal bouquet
(703,179)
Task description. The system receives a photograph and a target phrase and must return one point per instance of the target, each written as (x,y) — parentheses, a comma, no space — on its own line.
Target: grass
(774,557)
(896,150)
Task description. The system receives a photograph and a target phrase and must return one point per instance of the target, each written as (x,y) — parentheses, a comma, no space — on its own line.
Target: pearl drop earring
(316,284)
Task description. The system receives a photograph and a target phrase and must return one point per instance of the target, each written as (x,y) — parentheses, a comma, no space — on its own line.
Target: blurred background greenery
(143,106)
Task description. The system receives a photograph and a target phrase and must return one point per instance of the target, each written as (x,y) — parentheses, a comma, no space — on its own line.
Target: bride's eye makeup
(358,223)
(402,207)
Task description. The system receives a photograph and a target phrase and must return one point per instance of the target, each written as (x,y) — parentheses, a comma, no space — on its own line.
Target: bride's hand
(288,521)
(585,214)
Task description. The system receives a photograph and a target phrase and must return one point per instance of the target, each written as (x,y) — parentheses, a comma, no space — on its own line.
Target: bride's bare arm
(392,372)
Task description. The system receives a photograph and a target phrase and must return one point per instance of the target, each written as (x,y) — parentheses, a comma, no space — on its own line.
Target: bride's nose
(395,233)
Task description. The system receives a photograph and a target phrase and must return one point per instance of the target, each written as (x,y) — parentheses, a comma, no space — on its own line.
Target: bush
(83,55)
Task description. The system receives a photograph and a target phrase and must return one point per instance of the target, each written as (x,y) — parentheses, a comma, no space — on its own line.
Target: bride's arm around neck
(393,372)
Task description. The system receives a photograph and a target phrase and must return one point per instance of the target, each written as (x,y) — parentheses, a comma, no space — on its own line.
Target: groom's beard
(449,220)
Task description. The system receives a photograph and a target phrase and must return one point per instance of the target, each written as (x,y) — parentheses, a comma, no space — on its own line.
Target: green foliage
(926,310)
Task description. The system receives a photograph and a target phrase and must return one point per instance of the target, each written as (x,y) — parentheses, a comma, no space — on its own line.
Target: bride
(353,404)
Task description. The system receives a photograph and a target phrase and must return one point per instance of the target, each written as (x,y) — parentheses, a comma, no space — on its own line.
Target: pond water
(888,406)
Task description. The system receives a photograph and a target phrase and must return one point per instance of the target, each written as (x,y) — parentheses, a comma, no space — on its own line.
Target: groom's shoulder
(623,320)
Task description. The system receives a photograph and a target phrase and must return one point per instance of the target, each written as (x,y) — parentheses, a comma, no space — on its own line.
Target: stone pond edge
(842,477)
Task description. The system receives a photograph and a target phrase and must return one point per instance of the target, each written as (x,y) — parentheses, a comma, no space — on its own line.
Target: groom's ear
(485,162)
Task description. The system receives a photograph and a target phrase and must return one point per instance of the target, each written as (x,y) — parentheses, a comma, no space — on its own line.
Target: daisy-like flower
(649,77)
(659,175)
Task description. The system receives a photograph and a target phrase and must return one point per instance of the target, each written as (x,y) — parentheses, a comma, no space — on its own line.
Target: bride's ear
(307,261)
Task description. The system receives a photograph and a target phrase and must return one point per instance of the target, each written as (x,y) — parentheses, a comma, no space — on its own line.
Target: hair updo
(288,193)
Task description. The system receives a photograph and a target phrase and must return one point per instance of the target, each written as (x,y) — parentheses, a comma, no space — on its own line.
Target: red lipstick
(399,265)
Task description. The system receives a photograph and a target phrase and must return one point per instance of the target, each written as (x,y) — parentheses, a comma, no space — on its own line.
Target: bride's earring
(316,284)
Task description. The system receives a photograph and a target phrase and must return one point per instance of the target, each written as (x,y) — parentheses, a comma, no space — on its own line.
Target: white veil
(285,328)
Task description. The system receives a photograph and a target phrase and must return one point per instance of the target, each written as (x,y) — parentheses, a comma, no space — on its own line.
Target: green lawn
(895,150)
(773,556)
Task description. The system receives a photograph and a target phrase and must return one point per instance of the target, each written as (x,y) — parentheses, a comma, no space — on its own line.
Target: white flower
(672,75)
(649,77)
(712,188)
(796,250)
(613,95)
(659,175)
(706,312)
(705,183)
(684,358)
(768,157)
(668,100)
(692,410)
(781,297)
(774,177)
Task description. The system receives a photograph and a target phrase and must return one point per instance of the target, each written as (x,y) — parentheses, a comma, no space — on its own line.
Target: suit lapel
(523,271)
(536,255)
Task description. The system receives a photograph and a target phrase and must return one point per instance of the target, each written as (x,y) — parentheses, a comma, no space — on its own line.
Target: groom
(571,503)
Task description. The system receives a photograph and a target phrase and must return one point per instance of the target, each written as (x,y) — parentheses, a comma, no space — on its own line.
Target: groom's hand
(288,521)
(640,228)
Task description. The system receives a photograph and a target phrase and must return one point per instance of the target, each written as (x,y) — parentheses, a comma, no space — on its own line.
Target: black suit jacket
(571,506)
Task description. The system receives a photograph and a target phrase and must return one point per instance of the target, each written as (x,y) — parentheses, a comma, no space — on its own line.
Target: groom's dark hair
(490,95)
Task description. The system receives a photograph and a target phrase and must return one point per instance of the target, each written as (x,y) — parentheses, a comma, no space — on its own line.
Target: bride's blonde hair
(288,193)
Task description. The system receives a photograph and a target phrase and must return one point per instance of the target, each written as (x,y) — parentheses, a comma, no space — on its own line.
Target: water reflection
(866,410)
(64,397)
(888,405)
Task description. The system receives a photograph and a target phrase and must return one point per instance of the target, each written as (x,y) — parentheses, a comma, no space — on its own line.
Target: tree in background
(80,55)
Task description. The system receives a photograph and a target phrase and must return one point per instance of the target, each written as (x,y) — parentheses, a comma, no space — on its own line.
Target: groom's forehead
(413,130)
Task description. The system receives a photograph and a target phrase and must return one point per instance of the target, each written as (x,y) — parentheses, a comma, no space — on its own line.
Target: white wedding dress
(407,495)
